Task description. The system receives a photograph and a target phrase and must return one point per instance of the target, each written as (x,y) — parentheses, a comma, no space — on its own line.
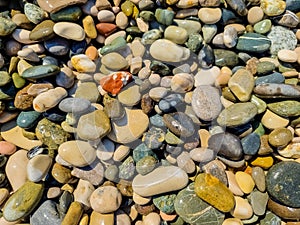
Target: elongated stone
(288,108)
(225,58)
(36,72)
(237,114)
(23,201)
(214,192)
(272,90)
(161,180)
(253,42)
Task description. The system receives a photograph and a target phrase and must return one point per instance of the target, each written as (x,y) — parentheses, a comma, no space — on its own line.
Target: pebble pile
(145,112)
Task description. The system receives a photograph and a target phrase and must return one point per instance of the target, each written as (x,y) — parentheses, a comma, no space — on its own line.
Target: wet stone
(165,203)
(282,183)
(253,42)
(193,209)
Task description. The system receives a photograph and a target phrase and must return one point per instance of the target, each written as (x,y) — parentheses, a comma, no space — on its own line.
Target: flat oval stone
(209,15)
(42,31)
(82,63)
(283,183)
(280,137)
(287,55)
(161,180)
(70,13)
(237,114)
(36,72)
(214,192)
(258,201)
(69,30)
(241,84)
(271,78)
(253,42)
(288,108)
(206,102)
(23,201)
(226,144)
(74,105)
(77,153)
(259,178)
(244,181)
(272,90)
(166,50)
(263,26)
(176,34)
(27,119)
(194,210)
(109,60)
(273,121)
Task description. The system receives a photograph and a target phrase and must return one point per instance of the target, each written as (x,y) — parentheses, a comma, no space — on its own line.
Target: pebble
(171,178)
(273,121)
(23,201)
(176,34)
(237,114)
(232,184)
(280,137)
(209,15)
(7,148)
(214,192)
(263,26)
(273,7)
(73,214)
(286,55)
(253,42)
(46,213)
(245,182)
(283,189)
(258,201)
(242,209)
(99,218)
(102,195)
(82,153)
(193,209)
(38,167)
(255,14)
(285,212)
(82,63)
(210,97)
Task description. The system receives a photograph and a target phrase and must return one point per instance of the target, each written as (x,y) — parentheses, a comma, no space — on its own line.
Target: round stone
(206,102)
(287,55)
(102,195)
(74,105)
(176,34)
(255,14)
(209,15)
(263,27)
(182,82)
(273,7)
(283,183)
(273,121)
(280,137)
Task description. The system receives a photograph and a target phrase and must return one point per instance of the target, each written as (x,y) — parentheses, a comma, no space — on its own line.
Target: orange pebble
(264,162)
(92,52)
(167,217)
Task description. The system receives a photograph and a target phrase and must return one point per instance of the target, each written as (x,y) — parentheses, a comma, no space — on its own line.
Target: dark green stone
(160,68)
(225,58)
(283,183)
(41,71)
(270,219)
(72,13)
(287,108)
(27,119)
(147,16)
(141,151)
(134,31)
(194,210)
(164,16)
(194,42)
(127,169)
(253,42)
(117,44)
(165,203)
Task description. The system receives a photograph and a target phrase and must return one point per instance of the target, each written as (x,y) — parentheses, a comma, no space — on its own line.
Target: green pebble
(260,130)
(165,203)
(253,42)
(293,81)
(195,42)
(141,151)
(41,71)
(264,68)
(160,68)
(34,13)
(134,31)
(127,169)
(225,58)
(147,16)
(27,119)
(263,26)
(4,78)
(164,16)
(146,165)
(260,104)
(18,81)
(7,26)
(23,201)
(288,108)
(117,44)
(71,14)
(172,139)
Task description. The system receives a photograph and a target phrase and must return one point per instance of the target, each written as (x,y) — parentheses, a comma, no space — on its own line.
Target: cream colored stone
(4,194)
(209,15)
(242,209)
(69,30)
(273,121)
(232,221)
(140,199)
(83,192)
(286,55)
(78,153)
(255,14)
(245,181)
(232,184)
(152,218)
(160,180)
(121,20)
(38,167)
(121,152)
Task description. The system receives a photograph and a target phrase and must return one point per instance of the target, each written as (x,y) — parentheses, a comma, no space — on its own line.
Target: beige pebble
(182,82)
(38,167)
(136,64)
(36,89)
(292,73)
(142,25)
(152,219)
(202,155)
(133,213)
(69,30)
(185,162)
(78,153)
(109,60)
(113,36)
(223,77)
(298,34)
(5,222)
(232,184)
(273,121)
(22,66)
(37,48)
(106,16)
(53,192)
(167,217)
(183,4)
(83,63)
(122,218)
(272,60)
(157,93)
(244,181)
(137,48)
(209,15)
(242,209)
(255,14)
(206,76)
(232,221)
(120,153)
(121,20)
(238,27)
(286,55)
(83,192)
(49,99)
(102,195)
(16,169)
(204,136)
